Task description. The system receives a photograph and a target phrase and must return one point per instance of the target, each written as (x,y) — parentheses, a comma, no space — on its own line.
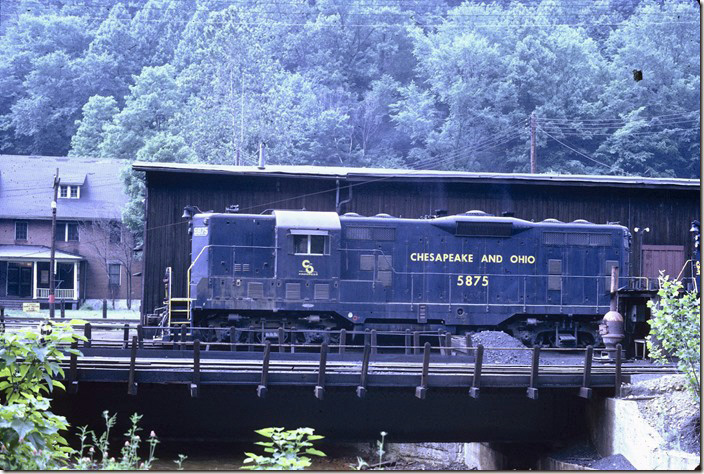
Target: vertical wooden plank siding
(668,213)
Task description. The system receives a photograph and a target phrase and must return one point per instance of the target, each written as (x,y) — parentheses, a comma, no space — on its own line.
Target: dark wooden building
(663,206)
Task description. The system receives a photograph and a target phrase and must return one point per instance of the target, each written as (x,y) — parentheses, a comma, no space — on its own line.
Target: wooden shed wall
(668,213)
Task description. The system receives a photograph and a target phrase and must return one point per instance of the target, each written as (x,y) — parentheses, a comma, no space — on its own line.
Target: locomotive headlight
(349,315)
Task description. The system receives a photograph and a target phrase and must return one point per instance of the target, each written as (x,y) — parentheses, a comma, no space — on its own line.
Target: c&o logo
(308,268)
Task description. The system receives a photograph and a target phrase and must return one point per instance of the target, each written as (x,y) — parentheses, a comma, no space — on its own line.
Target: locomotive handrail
(188,276)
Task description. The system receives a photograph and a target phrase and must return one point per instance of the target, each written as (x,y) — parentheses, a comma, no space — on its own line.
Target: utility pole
(52,260)
(239,146)
(533,158)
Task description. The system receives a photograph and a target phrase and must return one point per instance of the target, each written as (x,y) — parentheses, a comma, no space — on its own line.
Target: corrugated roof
(26,187)
(33,252)
(356,174)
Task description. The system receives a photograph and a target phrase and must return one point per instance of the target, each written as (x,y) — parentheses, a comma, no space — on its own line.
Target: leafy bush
(675,330)
(285,449)
(129,459)
(30,436)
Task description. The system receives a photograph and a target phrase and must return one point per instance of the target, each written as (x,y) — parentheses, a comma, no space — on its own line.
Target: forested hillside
(383,83)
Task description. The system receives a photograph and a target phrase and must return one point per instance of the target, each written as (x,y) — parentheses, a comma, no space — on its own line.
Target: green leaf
(267,432)
(314,452)
(22,427)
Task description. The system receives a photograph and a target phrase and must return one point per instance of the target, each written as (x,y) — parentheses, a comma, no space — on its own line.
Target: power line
(576,151)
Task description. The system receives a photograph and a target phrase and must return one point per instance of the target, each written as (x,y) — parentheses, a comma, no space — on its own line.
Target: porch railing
(59,293)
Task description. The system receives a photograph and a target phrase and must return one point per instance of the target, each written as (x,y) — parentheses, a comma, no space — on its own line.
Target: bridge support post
(448,343)
(617,372)
(532,390)
(422,389)
(319,391)
(182,340)
(72,382)
(234,336)
(362,387)
(281,339)
(585,390)
(140,336)
(416,342)
(343,341)
(125,336)
(407,342)
(131,383)
(195,384)
(262,388)
(87,334)
(250,339)
(477,376)
(374,343)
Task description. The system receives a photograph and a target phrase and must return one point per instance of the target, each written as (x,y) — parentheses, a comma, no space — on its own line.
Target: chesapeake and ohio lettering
(442,257)
(468,258)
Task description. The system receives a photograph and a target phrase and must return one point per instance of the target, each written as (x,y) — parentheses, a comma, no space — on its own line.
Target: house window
(21,230)
(115,233)
(67,232)
(310,244)
(69,191)
(114,274)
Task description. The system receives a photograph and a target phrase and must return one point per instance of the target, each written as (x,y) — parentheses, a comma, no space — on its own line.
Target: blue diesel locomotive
(543,282)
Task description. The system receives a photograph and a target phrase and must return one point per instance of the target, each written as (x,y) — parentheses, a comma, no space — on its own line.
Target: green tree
(97,112)
(675,330)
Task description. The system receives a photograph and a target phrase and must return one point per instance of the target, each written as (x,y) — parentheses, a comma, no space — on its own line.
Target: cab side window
(310,244)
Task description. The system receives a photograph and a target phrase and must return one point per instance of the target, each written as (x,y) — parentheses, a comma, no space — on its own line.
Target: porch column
(75,281)
(34,280)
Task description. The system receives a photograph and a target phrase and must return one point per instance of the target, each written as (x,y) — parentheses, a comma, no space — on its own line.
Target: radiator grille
(255,290)
(602,240)
(321,291)
(293,291)
(554,238)
(238,267)
(577,238)
(370,233)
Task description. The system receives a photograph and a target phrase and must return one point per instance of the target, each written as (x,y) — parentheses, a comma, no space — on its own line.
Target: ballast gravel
(502,344)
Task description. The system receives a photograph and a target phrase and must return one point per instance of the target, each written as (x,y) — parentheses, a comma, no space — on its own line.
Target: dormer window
(69,191)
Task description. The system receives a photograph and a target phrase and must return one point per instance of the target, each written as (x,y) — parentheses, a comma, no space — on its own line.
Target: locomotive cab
(308,260)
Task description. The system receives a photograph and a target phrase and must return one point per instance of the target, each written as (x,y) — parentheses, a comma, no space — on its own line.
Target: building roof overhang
(34,253)
(382,174)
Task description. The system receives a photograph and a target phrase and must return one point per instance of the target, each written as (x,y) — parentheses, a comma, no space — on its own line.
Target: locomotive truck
(542,282)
